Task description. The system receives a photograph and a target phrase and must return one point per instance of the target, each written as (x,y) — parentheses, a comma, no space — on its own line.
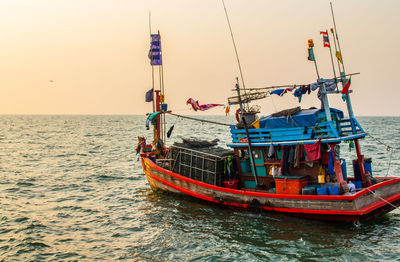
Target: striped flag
(325,39)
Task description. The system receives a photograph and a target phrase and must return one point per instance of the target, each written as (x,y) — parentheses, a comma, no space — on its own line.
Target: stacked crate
(198,165)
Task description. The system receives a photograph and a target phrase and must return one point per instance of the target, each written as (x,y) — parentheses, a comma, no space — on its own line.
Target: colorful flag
(339,57)
(155,50)
(279,92)
(346,87)
(311,56)
(149,95)
(196,106)
(325,38)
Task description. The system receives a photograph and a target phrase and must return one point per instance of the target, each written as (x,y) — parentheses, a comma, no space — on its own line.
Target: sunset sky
(90,56)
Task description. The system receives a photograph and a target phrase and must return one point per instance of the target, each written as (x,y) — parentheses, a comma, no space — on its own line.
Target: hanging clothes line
(200,120)
(282,86)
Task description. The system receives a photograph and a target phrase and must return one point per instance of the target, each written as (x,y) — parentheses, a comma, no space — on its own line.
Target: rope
(200,120)
(388,148)
(395,207)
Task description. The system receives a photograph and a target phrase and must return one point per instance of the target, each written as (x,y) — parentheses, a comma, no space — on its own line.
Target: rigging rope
(388,148)
(200,120)
(395,207)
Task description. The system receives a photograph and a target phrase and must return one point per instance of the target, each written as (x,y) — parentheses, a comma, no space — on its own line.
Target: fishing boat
(287,162)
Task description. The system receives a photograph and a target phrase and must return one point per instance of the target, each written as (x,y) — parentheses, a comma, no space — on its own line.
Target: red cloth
(313,151)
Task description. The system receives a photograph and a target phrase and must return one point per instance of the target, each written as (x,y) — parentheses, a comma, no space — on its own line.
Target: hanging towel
(313,151)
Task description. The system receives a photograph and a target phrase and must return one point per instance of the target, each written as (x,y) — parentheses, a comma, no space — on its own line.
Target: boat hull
(365,204)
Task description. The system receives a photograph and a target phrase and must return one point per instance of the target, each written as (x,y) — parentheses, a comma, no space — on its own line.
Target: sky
(90,56)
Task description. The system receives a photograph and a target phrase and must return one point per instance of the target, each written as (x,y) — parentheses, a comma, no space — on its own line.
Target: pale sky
(90,56)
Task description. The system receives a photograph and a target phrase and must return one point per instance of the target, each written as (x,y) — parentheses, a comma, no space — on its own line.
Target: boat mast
(155,41)
(253,166)
(237,55)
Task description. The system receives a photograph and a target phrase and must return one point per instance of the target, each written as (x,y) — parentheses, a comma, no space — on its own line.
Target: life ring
(237,115)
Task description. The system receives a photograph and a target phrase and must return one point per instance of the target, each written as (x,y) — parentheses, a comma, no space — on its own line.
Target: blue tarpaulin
(301,119)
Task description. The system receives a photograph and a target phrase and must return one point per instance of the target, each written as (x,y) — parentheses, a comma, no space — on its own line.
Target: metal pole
(315,63)
(333,65)
(336,50)
(337,38)
(254,171)
(234,46)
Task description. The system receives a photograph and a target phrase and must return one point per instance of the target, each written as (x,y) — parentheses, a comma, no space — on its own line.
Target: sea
(72,189)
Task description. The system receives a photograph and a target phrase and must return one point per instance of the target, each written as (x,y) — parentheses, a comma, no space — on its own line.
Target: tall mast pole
(336,50)
(330,51)
(337,38)
(249,147)
(342,75)
(234,46)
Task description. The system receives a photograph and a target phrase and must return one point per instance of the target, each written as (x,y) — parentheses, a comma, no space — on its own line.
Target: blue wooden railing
(341,128)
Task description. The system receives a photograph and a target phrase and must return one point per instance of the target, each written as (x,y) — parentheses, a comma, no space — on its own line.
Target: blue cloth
(155,50)
(331,170)
(301,119)
(278,92)
(149,95)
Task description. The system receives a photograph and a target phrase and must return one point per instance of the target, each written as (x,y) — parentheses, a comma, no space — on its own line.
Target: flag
(155,50)
(311,56)
(196,106)
(279,92)
(346,87)
(149,95)
(339,57)
(325,38)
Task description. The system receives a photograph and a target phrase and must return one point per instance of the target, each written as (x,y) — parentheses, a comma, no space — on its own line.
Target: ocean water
(72,189)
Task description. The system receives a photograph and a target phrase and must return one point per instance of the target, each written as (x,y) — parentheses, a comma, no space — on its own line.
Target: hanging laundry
(345,90)
(291,156)
(150,118)
(149,95)
(331,162)
(313,151)
(279,92)
(227,110)
(314,86)
(285,161)
(290,89)
(196,106)
(170,131)
(141,144)
(271,151)
(297,156)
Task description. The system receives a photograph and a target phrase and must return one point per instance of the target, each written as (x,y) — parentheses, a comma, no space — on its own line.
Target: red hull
(366,204)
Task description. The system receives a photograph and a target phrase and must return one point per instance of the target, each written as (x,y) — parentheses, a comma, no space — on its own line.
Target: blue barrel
(367,168)
(334,190)
(368,165)
(322,191)
(358,184)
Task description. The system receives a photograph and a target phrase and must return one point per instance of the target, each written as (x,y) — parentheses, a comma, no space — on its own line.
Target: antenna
(234,45)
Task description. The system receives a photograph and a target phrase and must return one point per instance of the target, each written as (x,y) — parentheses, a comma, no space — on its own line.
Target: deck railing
(329,129)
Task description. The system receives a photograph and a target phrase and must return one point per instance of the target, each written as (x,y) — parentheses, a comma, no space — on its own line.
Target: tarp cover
(301,119)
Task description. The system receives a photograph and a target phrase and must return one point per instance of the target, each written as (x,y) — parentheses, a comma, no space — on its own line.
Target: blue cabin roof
(304,118)
(304,127)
